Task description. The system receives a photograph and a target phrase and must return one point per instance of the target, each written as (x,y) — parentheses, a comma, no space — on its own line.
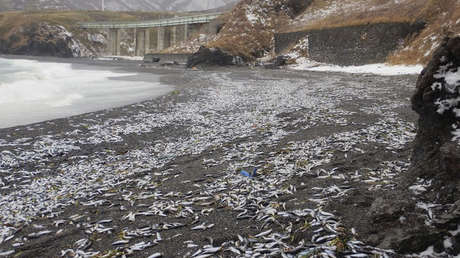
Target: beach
(167,175)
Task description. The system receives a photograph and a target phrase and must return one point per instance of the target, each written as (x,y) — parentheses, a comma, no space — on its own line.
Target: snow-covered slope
(115,5)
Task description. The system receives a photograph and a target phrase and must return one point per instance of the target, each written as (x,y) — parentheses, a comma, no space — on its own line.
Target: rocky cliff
(437,101)
(250,27)
(422,212)
(44,39)
(53,33)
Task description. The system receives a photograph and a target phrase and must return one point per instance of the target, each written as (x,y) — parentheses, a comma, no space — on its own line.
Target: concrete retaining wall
(355,45)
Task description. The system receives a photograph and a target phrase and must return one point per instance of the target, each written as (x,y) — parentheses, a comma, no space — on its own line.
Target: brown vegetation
(17,28)
(332,13)
(442,17)
(252,37)
(10,22)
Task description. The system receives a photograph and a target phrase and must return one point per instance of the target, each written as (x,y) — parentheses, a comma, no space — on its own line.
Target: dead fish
(39,234)
(57,223)
(206,211)
(6,253)
(198,252)
(234,250)
(191,245)
(155,255)
(159,237)
(263,233)
(6,239)
(140,246)
(82,244)
(67,252)
(204,256)
(36,226)
(203,227)
(212,250)
(131,217)
(120,242)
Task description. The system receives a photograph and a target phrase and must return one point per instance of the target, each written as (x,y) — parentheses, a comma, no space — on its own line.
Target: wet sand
(163,176)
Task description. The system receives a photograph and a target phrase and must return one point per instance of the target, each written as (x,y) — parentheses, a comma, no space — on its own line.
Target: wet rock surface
(163,176)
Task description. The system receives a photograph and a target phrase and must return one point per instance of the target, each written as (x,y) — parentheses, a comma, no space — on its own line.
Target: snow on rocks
(77,48)
(97,38)
(448,81)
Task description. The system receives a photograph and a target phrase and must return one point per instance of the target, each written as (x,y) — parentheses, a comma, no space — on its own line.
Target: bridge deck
(206,18)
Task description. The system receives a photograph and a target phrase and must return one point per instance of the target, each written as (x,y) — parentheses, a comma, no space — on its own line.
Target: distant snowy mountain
(115,5)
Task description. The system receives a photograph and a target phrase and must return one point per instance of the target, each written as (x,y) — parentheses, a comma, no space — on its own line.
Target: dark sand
(249,127)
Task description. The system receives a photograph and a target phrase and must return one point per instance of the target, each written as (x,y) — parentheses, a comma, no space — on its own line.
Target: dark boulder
(409,221)
(37,47)
(436,154)
(151,58)
(211,57)
(281,61)
(169,63)
(437,101)
(277,62)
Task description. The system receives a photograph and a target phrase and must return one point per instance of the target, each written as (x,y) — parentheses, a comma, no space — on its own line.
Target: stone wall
(355,45)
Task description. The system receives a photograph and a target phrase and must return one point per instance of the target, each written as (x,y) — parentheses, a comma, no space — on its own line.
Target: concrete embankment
(353,45)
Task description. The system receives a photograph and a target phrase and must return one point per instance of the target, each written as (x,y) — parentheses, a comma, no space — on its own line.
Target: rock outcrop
(211,57)
(422,212)
(431,214)
(43,39)
(251,25)
(437,101)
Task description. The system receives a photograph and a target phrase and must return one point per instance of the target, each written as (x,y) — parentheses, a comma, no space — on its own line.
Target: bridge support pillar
(140,42)
(173,35)
(161,39)
(185,32)
(147,41)
(114,42)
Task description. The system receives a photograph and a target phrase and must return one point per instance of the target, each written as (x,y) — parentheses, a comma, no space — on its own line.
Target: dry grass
(443,19)
(382,12)
(252,39)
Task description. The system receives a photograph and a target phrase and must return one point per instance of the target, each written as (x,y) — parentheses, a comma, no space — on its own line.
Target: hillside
(251,25)
(114,5)
(54,33)
(249,28)
(442,17)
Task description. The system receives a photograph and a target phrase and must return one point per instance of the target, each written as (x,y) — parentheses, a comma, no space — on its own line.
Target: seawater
(33,91)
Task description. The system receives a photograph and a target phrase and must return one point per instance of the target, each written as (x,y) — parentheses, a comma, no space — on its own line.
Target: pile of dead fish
(260,114)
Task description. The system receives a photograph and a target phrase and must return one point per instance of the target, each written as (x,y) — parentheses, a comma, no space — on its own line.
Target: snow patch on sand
(378,69)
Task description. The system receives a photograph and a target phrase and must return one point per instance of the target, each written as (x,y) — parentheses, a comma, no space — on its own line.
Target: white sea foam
(32,91)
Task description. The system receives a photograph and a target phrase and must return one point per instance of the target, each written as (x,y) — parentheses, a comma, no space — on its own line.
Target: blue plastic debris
(247,174)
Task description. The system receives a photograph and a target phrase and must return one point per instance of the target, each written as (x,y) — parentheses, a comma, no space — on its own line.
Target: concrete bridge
(155,35)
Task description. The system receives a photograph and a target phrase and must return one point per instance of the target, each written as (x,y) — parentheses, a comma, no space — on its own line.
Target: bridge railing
(153,23)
